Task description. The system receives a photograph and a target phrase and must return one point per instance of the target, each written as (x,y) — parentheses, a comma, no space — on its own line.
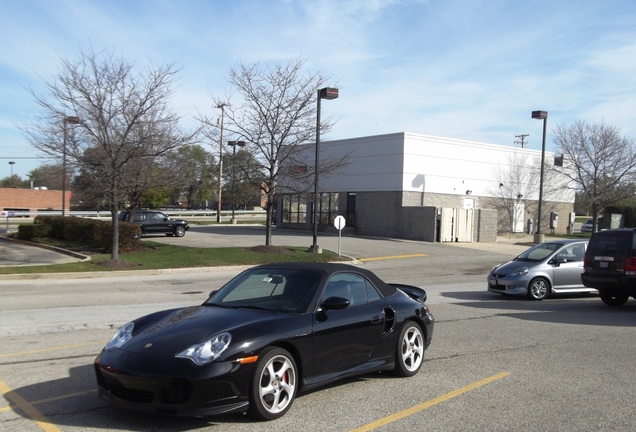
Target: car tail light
(630,266)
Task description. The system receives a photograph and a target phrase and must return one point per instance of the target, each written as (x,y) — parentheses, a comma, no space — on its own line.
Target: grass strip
(163,256)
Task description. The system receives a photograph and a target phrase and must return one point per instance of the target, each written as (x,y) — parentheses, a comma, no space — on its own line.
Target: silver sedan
(552,267)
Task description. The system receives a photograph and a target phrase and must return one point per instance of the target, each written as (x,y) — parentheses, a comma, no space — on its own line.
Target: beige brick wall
(32,200)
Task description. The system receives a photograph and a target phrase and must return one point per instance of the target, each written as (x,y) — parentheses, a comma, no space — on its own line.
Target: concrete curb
(77,255)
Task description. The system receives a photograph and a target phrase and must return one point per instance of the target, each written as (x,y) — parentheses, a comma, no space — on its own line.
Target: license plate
(603,264)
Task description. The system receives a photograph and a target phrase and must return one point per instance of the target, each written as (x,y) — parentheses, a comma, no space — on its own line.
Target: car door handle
(377,319)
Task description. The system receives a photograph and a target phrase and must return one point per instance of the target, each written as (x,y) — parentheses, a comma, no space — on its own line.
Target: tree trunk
(268,221)
(114,255)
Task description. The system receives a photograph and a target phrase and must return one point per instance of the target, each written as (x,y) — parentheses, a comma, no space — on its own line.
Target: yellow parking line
(54,399)
(421,407)
(52,349)
(28,409)
(393,257)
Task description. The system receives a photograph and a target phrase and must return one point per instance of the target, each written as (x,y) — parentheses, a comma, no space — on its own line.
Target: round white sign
(339,222)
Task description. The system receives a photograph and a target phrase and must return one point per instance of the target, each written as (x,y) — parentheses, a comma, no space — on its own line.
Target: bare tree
(518,189)
(124,122)
(275,115)
(601,162)
(518,182)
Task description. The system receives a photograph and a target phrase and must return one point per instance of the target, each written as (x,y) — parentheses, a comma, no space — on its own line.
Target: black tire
(274,384)
(179,231)
(538,289)
(409,352)
(613,299)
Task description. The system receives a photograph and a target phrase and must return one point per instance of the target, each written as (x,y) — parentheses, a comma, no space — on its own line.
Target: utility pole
(220,192)
(522,140)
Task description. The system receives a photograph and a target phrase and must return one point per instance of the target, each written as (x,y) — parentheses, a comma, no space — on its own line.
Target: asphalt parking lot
(495,363)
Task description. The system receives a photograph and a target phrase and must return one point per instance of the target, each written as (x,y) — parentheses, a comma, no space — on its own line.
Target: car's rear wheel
(274,384)
(613,299)
(410,350)
(538,289)
(179,231)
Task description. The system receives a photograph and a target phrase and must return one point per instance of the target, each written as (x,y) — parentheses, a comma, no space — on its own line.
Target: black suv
(610,265)
(155,222)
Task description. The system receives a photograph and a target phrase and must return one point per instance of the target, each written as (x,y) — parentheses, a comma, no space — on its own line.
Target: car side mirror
(335,303)
(558,261)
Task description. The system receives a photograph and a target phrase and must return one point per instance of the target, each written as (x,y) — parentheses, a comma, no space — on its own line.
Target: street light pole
(324,93)
(11,163)
(233,144)
(220,191)
(541,115)
(67,120)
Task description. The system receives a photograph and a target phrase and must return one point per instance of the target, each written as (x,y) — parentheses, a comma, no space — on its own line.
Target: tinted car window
(619,242)
(351,286)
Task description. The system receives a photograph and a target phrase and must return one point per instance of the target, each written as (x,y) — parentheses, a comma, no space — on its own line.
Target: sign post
(339,223)
(5,214)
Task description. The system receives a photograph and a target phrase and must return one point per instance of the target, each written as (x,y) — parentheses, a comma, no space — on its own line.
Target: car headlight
(520,272)
(208,351)
(121,337)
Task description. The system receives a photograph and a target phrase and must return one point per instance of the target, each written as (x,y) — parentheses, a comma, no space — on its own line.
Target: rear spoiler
(412,291)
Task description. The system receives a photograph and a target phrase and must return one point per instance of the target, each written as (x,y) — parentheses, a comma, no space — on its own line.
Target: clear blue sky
(465,69)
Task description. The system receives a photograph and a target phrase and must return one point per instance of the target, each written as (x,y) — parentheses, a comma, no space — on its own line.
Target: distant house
(420,187)
(32,200)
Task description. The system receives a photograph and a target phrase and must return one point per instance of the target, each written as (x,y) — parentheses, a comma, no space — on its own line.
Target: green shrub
(129,236)
(31,231)
(56,223)
(95,233)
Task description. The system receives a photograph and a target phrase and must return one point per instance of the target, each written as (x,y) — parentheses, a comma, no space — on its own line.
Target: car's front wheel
(613,299)
(274,384)
(410,350)
(179,231)
(538,289)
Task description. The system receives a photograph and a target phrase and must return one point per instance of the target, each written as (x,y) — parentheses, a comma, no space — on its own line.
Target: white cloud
(456,68)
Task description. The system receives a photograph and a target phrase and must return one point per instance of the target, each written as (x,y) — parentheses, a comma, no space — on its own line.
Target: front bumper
(510,286)
(172,386)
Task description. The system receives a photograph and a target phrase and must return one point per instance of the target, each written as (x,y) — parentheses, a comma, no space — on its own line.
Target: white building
(398,185)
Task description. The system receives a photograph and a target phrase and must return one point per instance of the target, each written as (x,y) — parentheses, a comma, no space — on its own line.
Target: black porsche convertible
(270,332)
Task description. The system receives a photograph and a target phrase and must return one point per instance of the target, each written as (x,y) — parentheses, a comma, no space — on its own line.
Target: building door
(351,209)
(456,225)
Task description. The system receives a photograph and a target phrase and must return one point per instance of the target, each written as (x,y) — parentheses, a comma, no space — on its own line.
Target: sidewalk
(510,244)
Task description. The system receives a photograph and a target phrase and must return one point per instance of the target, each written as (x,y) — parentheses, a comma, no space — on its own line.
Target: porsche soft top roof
(331,268)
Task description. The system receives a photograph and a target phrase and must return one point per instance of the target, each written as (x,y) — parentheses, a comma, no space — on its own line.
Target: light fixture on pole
(67,120)
(233,144)
(323,93)
(541,115)
(11,163)
(220,192)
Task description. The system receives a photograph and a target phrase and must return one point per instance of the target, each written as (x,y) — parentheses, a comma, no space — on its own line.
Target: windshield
(539,252)
(278,290)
